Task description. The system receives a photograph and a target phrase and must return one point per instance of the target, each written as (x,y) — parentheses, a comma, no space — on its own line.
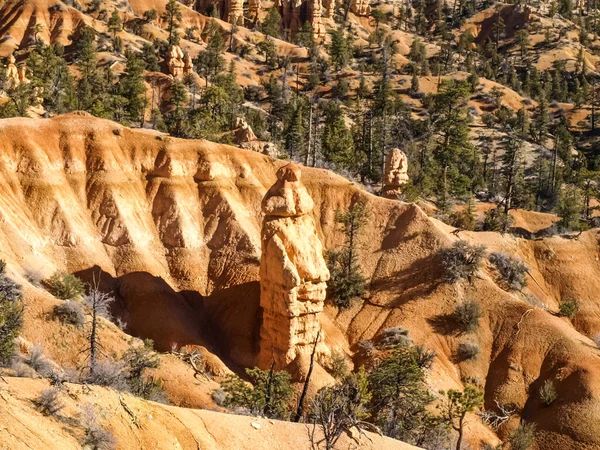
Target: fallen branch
(128,410)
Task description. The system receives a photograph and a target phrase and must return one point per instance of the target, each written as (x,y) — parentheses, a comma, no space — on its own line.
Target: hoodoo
(293,274)
(395,173)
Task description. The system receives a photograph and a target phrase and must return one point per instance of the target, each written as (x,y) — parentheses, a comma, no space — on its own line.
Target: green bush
(523,437)
(64,286)
(496,220)
(461,261)
(548,393)
(254,398)
(512,270)
(568,308)
(467,315)
(138,360)
(11,317)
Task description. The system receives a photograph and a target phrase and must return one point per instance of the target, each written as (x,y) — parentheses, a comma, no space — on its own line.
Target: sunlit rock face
(293,274)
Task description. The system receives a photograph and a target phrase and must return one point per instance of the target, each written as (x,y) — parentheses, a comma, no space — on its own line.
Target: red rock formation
(361,7)
(293,274)
(395,174)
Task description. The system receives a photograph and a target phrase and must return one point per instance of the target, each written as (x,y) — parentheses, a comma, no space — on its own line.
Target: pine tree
(340,48)
(346,282)
(132,88)
(173,18)
(511,171)
(115,24)
(272,23)
(210,62)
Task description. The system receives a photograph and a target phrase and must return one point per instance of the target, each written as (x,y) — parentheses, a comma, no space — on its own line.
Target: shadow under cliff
(226,323)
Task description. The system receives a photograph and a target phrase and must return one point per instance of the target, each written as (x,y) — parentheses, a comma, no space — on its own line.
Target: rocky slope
(174,227)
(137,424)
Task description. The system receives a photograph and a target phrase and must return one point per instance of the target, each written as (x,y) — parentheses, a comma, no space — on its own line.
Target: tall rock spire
(293,274)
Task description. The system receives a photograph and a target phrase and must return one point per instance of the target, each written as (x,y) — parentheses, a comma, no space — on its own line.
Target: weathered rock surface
(293,274)
(395,174)
(178,63)
(361,7)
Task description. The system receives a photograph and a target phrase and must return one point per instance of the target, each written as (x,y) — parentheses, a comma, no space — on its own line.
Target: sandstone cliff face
(293,274)
(77,191)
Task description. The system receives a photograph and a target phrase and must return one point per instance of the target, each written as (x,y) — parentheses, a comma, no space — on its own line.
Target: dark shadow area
(445,324)
(227,322)
(236,316)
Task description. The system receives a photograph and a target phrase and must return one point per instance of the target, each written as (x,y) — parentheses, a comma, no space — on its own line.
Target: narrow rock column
(395,173)
(293,274)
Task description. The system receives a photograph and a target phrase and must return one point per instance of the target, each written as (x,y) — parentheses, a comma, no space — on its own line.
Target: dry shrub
(467,315)
(461,261)
(49,402)
(512,270)
(468,350)
(70,312)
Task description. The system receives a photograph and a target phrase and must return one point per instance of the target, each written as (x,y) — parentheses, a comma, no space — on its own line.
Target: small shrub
(95,436)
(64,286)
(269,394)
(523,437)
(512,270)
(11,318)
(38,361)
(424,356)
(219,396)
(10,290)
(110,374)
(2,266)
(568,308)
(461,261)
(467,350)
(467,315)
(70,312)
(365,347)
(22,370)
(48,402)
(339,365)
(391,337)
(138,360)
(496,220)
(548,393)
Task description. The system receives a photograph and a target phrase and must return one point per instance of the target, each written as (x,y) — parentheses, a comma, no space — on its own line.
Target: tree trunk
(300,409)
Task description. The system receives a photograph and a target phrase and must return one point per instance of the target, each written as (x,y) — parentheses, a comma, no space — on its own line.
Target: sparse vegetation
(346,282)
(523,437)
(467,315)
(456,406)
(339,365)
(96,437)
(64,286)
(11,316)
(70,312)
(269,394)
(511,269)
(49,402)
(461,261)
(337,409)
(392,337)
(467,350)
(568,308)
(139,359)
(548,393)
